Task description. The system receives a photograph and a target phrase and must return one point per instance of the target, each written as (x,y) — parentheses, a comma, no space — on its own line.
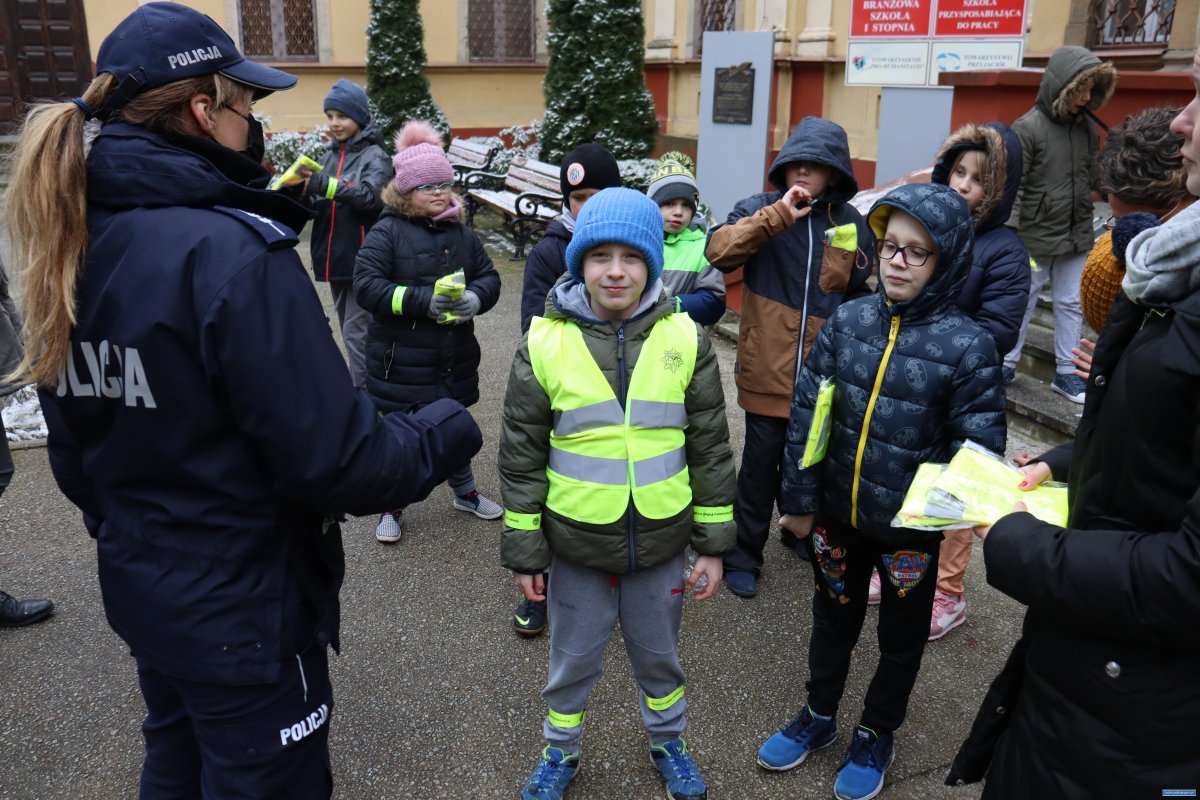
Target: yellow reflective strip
(398,300)
(663,703)
(331,188)
(712,513)
(866,424)
(522,522)
(560,720)
(844,237)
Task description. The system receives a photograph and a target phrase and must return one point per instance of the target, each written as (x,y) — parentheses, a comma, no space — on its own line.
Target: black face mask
(256,143)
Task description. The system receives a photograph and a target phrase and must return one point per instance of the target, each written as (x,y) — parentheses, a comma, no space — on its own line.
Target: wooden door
(44,54)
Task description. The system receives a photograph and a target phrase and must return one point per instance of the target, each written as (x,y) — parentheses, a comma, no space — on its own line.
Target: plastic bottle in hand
(701,584)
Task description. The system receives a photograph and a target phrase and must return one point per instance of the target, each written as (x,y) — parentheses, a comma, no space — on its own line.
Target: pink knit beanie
(419,157)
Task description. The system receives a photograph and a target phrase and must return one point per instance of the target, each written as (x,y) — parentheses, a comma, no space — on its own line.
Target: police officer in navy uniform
(199,412)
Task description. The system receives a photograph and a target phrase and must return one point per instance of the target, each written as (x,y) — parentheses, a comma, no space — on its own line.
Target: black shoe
(530,618)
(16,613)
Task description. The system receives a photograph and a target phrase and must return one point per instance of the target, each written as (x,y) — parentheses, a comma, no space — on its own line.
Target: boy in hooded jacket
(983,163)
(1060,141)
(614,457)
(913,377)
(805,249)
(346,195)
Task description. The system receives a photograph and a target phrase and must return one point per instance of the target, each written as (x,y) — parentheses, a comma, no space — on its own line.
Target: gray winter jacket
(1053,213)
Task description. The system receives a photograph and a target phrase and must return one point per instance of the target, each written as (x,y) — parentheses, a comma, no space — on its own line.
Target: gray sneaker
(388,530)
(1071,387)
(479,505)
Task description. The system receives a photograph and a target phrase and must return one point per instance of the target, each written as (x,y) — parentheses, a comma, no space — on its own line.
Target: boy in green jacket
(696,286)
(614,457)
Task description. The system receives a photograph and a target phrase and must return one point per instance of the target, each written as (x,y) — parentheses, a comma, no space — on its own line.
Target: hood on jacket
(943,214)
(1067,69)
(130,167)
(366,136)
(817,139)
(569,298)
(1002,179)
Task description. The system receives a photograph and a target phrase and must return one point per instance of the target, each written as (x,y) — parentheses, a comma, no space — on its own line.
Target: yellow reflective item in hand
(293,172)
(818,430)
(453,286)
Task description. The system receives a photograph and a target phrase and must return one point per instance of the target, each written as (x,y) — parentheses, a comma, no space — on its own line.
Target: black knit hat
(588,166)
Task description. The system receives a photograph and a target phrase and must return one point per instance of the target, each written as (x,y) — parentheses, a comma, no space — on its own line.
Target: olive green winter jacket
(633,542)
(1053,212)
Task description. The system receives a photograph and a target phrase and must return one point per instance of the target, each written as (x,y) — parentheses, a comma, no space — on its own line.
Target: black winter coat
(1110,694)
(546,263)
(411,359)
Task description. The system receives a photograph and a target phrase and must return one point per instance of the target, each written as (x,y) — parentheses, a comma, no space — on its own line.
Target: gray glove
(439,304)
(466,307)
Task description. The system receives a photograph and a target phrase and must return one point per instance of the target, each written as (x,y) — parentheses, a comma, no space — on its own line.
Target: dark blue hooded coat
(206,423)
(996,289)
(941,381)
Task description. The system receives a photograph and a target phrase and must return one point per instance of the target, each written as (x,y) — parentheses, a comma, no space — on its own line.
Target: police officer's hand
(465,307)
(534,586)
(439,305)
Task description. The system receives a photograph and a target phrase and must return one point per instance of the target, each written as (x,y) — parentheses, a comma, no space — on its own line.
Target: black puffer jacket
(411,359)
(1109,696)
(940,385)
(546,263)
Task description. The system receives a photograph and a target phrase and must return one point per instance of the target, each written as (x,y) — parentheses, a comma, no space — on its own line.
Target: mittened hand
(465,307)
(439,304)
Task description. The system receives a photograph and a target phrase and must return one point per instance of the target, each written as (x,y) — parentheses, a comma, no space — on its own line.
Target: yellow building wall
(1046,25)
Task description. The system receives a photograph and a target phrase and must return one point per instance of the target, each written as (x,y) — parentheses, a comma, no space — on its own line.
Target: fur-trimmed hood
(1068,68)
(1001,180)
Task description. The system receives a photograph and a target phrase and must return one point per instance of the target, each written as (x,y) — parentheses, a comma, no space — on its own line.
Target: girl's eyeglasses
(433,188)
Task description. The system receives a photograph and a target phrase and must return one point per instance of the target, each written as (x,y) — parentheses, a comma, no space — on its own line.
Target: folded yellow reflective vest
(818,430)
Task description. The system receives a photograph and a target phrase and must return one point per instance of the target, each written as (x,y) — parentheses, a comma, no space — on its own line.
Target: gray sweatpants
(1064,273)
(352,320)
(584,606)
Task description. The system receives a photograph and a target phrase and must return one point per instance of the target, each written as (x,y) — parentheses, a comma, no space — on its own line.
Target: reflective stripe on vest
(600,455)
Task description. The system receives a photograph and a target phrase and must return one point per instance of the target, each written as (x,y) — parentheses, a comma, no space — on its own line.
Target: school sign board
(911,42)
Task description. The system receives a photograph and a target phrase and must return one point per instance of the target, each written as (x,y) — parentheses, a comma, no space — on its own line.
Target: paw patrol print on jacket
(832,561)
(905,569)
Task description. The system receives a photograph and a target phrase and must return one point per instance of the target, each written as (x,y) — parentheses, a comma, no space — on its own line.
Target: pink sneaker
(876,590)
(949,611)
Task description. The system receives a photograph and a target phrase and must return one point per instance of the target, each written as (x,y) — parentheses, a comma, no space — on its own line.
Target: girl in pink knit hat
(421,343)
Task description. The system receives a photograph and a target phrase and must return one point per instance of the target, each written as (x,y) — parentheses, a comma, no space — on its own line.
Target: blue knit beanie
(619,215)
(350,99)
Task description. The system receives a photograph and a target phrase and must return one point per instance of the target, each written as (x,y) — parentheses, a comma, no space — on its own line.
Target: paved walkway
(436,697)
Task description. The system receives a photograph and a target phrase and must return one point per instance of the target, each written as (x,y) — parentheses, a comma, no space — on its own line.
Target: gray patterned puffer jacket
(912,381)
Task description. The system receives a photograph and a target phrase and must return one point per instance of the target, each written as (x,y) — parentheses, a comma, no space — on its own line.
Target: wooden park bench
(527,196)
(466,157)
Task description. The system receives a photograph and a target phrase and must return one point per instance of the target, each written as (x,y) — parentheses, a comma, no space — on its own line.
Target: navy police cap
(161,43)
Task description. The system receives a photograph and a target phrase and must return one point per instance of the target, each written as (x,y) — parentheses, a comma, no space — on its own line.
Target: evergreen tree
(595,89)
(397,89)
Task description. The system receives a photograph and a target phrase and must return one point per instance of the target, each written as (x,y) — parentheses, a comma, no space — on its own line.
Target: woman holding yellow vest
(614,458)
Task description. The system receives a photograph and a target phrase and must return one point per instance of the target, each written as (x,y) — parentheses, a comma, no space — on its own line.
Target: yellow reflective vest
(601,454)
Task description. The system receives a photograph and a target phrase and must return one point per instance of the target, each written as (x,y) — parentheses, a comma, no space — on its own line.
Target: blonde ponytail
(47,206)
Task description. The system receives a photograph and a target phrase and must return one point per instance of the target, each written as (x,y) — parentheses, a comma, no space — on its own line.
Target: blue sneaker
(743,584)
(679,770)
(789,747)
(1071,387)
(553,773)
(867,761)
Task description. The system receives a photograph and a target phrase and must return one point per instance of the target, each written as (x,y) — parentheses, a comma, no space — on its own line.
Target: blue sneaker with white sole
(789,747)
(867,761)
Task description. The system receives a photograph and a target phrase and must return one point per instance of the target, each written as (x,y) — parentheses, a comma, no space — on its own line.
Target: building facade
(486,58)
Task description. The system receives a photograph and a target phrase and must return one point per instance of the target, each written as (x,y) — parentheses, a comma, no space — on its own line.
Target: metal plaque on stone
(733,95)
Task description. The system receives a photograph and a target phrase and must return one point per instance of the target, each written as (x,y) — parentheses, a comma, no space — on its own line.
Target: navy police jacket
(205,422)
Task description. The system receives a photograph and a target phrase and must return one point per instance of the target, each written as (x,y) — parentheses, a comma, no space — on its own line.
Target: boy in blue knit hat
(614,457)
